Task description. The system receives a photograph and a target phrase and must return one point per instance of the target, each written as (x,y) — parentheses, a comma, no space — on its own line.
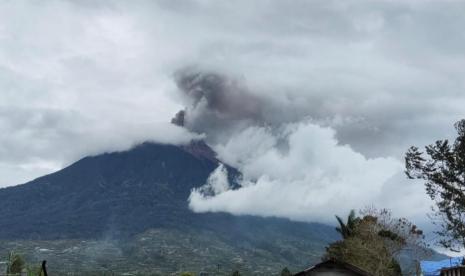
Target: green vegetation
(347,229)
(170,252)
(34,270)
(374,240)
(443,170)
(15,265)
(286,272)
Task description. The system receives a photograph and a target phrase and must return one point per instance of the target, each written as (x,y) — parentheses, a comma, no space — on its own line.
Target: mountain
(132,206)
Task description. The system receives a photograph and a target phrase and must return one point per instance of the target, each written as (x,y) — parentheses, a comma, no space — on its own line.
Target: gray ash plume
(178,119)
(216,105)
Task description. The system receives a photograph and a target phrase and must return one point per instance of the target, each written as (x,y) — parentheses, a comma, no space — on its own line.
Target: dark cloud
(216,104)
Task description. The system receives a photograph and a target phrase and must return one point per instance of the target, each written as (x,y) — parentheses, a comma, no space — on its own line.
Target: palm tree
(347,229)
(286,272)
(15,263)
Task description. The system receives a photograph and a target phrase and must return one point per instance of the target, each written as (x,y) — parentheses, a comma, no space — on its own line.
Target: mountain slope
(144,187)
(128,196)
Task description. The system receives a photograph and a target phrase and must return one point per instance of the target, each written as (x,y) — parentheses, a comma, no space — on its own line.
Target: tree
(346,229)
(236,273)
(399,234)
(442,168)
(34,270)
(15,263)
(376,239)
(286,272)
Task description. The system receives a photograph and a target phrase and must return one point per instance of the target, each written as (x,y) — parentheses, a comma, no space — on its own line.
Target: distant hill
(141,194)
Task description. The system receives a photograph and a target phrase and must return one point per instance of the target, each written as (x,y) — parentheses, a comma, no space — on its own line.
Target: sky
(314,101)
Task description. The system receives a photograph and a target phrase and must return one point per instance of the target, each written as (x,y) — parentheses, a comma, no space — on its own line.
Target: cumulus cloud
(311,179)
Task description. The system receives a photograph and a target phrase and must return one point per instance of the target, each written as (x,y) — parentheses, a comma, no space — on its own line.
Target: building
(453,271)
(333,268)
(435,268)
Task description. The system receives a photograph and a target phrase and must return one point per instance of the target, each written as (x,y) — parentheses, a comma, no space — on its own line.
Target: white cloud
(309,177)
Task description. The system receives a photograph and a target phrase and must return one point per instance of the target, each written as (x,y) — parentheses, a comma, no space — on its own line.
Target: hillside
(135,204)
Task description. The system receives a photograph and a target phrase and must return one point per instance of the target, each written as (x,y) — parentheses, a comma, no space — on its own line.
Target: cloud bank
(372,77)
(302,182)
(310,179)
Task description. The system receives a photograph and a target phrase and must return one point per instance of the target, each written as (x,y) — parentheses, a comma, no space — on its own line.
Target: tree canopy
(286,272)
(442,167)
(15,263)
(374,240)
(347,229)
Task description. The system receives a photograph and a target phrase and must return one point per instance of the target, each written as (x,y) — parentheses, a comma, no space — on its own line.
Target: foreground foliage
(286,272)
(374,240)
(442,167)
(16,265)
